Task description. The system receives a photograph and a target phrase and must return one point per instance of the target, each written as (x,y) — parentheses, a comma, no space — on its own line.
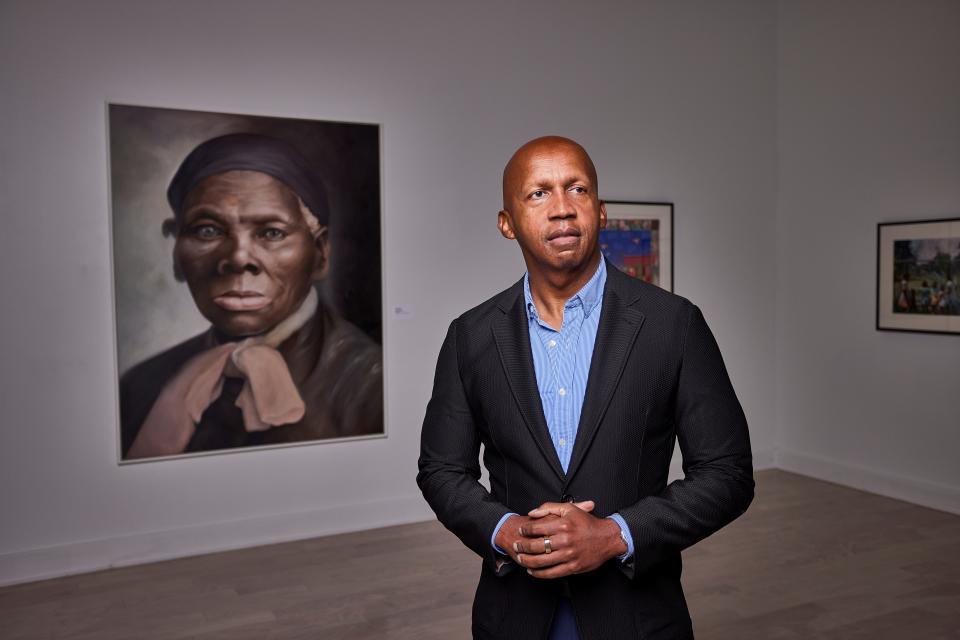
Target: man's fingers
(539,545)
(556,571)
(560,508)
(542,560)
(542,528)
(549,508)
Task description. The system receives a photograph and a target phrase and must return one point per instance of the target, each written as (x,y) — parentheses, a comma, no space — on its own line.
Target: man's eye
(273,234)
(579,190)
(539,193)
(205,232)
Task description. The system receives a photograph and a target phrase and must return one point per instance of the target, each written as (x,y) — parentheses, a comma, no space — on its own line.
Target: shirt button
(562,391)
(552,343)
(563,442)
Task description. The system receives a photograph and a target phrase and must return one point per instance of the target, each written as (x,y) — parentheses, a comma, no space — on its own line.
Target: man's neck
(551,289)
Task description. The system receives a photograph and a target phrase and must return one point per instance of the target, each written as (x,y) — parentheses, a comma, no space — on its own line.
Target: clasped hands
(579,541)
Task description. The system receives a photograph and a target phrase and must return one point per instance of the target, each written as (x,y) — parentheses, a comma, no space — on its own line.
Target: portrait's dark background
(147,145)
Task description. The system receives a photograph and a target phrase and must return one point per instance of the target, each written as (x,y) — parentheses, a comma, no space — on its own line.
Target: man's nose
(238,256)
(562,206)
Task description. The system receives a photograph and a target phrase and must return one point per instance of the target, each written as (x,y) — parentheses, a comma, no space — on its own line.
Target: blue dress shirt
(561,360)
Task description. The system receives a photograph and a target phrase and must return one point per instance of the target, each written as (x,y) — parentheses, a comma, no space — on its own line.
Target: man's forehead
(540,155)
(549,161)
(554,165)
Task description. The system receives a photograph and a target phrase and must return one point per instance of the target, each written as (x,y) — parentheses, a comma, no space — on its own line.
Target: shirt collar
(589,295)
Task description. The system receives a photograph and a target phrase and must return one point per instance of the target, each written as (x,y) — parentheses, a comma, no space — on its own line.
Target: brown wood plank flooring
(809,560)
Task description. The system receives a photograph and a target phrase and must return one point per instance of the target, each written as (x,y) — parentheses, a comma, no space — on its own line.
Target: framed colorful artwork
(638,240)
(918,268)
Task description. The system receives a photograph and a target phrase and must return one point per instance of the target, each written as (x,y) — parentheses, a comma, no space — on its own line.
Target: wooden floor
(809,560)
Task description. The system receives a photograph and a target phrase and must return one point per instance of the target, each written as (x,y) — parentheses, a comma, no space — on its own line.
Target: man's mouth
(563,237)
(241,300)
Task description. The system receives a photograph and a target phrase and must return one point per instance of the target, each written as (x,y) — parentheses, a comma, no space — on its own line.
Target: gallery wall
(869,132)
(675,101)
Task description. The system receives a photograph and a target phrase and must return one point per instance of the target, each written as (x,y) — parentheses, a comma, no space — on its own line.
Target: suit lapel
(616,333)
(512,335)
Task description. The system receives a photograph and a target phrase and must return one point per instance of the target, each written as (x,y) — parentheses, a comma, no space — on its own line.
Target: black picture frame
(918,269)
(653,217)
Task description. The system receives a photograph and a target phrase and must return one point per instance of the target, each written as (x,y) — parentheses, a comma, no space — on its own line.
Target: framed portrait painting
(918,269)
(247,281)
(638,240)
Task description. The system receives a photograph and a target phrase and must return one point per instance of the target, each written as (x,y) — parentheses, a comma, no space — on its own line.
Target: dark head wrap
(250,152)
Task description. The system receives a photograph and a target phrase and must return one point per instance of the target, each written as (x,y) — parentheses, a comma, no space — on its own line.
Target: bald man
(578,380)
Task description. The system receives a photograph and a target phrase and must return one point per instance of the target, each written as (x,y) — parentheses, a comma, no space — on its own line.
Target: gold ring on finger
(547,547)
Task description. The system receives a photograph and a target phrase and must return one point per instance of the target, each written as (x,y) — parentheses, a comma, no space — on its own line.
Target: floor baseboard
(919,492)
(93,555)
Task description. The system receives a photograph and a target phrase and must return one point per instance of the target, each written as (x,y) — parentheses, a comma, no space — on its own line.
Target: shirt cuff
(496,530)
(625,532)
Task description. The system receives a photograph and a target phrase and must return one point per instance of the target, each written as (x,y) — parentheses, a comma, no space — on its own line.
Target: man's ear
(505,225)
(321,264)
(603,214)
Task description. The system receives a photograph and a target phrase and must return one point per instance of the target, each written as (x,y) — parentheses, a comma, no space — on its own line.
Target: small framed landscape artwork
(918,268)
(638,240)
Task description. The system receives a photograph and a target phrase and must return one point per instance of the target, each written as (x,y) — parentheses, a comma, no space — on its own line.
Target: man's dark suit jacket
(656,375)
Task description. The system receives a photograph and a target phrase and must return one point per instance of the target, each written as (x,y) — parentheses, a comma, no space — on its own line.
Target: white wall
(869,131)
(675,101)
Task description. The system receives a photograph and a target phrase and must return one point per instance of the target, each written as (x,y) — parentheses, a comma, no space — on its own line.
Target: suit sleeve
(712,432)
(449,465)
